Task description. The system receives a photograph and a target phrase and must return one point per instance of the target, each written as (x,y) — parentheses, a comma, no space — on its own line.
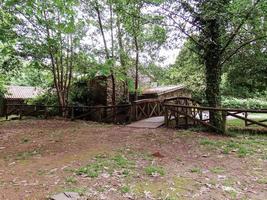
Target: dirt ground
(39,158)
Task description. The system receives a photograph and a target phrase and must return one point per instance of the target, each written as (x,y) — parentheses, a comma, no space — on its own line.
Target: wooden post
(186,118)
(130,113)
(176,118)
(100,114)
(224,116)
(72,113)
(166,116)
(246,116)
(20,114)
(114,114)
(6,109)
(136,111)
(46,112)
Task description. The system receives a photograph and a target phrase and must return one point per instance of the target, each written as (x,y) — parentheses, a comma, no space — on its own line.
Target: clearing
(39,158)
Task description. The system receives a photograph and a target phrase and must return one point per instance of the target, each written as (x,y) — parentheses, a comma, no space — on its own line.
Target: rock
(66,196)
(221,177)
(158,155)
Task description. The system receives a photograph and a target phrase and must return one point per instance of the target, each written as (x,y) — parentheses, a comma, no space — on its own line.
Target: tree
(208,24)
(188,71)
(50,33)
(146,36)
(124,32)
(9,60)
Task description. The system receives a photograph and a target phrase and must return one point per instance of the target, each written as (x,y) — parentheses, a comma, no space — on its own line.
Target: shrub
(49,98)
(250,103)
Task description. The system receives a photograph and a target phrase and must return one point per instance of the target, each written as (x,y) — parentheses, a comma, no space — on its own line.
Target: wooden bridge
(177,112)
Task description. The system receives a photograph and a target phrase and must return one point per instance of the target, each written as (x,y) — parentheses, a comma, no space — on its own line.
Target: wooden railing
(111,114)
(179,112)
(182,101)
(114,114)
(184,115)
(138,110)
(147,108)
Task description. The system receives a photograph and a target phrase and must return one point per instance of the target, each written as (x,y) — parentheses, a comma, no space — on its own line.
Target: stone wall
(119,91)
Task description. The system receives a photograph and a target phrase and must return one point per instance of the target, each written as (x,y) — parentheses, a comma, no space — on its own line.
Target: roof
(22,92)
(163,89)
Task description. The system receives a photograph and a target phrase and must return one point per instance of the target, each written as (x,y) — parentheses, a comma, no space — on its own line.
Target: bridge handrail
(90,107)
(182,98)
(217,109)
(147,101)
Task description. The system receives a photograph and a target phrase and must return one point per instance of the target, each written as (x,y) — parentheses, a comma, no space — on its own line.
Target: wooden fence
(185,115)
(179,112)
(114,114)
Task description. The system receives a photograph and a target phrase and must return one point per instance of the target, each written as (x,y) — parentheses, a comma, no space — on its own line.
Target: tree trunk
(113,98)
(122,61)
(212,59)
(136,68)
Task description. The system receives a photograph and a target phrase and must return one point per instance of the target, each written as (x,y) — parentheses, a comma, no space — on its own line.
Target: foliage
(249,103)
(9,60)
(50,33)
(80,93)
(188,71)
(32,74)
(49,98)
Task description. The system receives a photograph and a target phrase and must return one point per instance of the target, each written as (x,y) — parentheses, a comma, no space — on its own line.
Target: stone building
(101,90)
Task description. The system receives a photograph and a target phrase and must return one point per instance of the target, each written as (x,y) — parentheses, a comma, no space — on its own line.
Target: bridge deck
(153,122)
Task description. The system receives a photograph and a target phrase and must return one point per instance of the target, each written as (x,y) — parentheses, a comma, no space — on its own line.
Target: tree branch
(233,35)
(240,47)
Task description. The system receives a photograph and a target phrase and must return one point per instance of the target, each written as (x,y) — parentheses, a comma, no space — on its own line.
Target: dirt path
(39,158)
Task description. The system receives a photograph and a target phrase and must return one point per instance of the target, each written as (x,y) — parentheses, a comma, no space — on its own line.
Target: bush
(49,98)
(80,93)
(250,103)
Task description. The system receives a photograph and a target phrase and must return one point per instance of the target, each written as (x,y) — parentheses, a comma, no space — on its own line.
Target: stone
(158,155)
(66,196)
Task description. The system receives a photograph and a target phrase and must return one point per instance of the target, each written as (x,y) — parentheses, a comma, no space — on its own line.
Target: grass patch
(27,154)
(195,170)
(173,189)
(178,159)
(241,123)
(217,170)
(71,180)
(262,181)
(241,145)
(185,133)
(125,189)
(208,142)
(104,163)
(154,170)
(120,161)
(41,172)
